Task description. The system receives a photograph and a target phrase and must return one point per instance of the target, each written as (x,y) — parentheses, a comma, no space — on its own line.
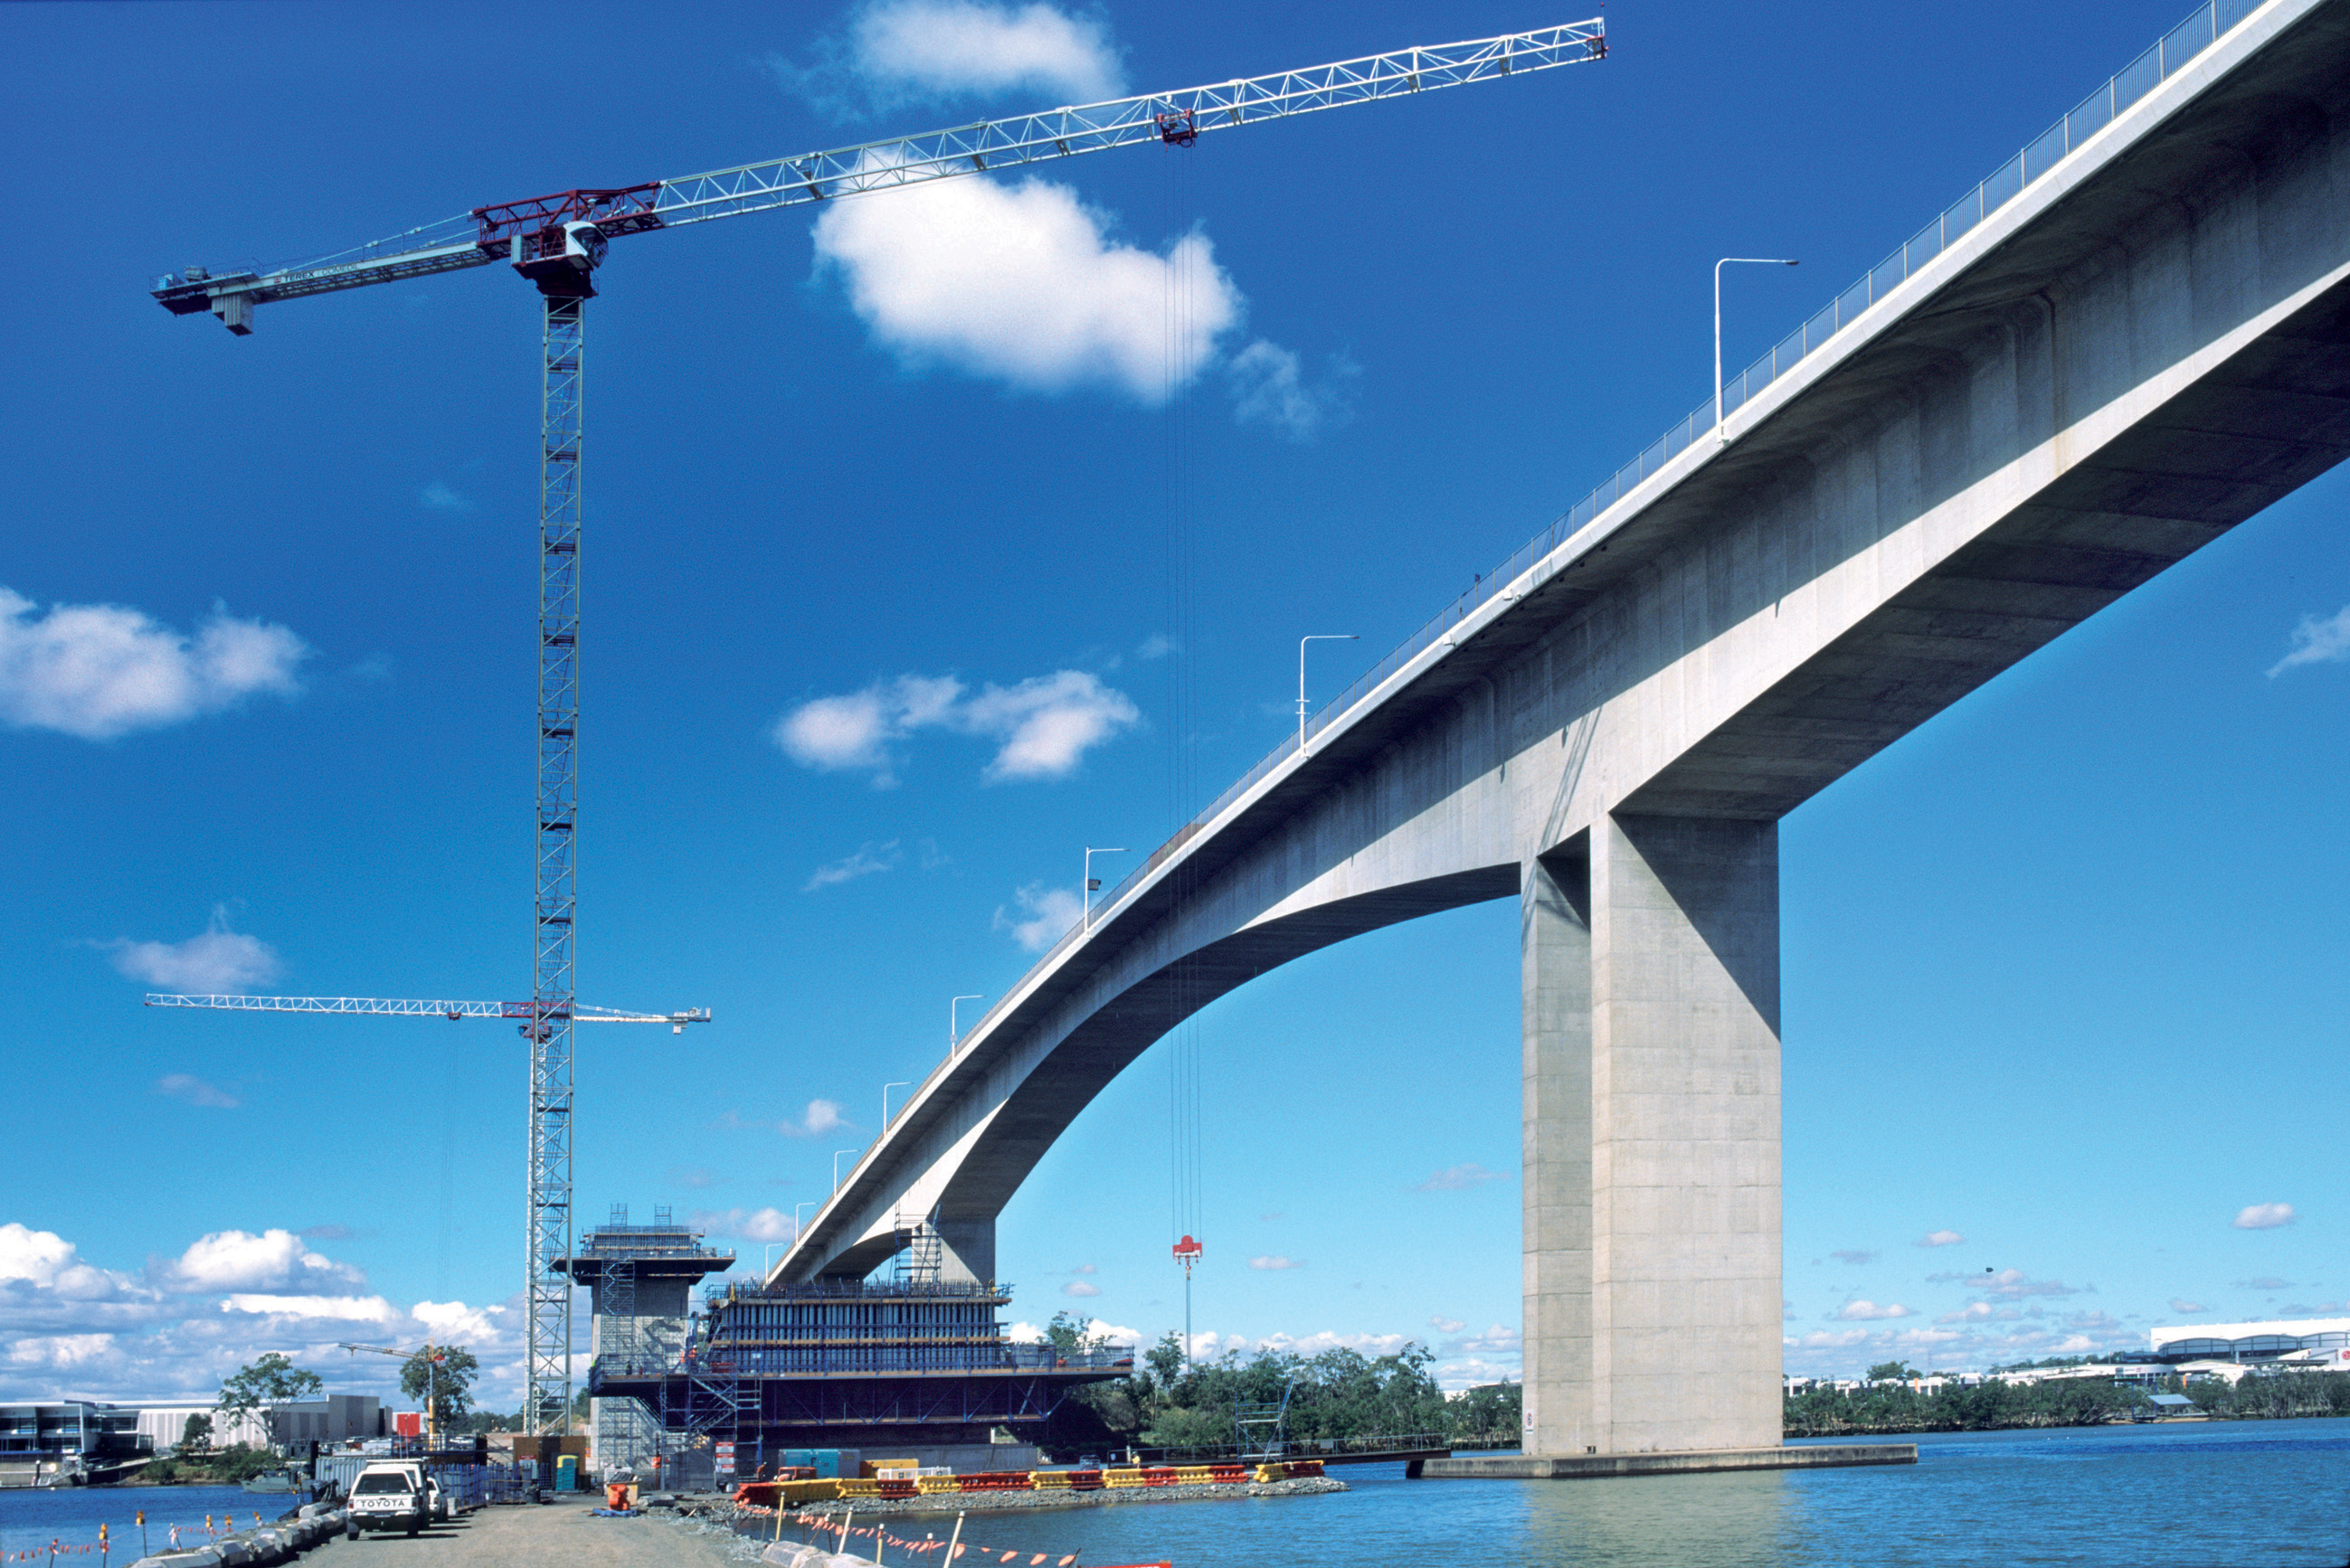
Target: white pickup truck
(392,1494)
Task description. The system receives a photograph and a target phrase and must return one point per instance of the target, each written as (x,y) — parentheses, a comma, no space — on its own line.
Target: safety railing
(2164,58)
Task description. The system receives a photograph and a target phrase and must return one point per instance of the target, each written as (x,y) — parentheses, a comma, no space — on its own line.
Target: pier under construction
(906,1362)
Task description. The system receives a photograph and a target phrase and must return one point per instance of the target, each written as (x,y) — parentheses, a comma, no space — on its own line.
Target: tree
(443,1383)
(1891,1372)
(196,1437)
(272,1380)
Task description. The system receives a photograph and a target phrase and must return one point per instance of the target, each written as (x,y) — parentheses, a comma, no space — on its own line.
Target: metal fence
(2163,59)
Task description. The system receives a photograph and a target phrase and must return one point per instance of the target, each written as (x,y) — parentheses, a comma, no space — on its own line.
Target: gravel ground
(562,1535)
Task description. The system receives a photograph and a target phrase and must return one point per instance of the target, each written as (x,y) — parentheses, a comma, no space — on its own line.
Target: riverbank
(946,1505)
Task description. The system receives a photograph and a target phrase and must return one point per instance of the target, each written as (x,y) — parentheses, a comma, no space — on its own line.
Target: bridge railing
(2166,55)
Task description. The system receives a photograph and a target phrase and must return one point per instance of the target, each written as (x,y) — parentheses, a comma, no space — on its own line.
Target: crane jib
(553,239)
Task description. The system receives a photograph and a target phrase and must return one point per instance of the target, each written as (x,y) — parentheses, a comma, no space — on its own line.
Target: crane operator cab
(559,258)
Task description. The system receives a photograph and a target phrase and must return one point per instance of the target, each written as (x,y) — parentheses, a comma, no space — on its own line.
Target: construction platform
(1602,1467)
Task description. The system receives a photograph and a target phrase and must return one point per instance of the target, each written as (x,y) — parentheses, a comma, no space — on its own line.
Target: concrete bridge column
(1652,1251)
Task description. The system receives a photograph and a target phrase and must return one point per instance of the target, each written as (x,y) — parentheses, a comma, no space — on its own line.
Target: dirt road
(561,1535)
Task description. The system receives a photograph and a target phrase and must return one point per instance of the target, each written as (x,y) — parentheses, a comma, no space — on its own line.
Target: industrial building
(912,1364)
(2308,1342)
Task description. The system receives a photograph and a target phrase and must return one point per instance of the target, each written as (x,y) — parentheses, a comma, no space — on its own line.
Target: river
(2245,1494)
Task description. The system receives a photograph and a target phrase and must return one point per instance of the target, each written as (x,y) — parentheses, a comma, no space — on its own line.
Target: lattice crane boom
(557,241)
(513,231)
(412,1007)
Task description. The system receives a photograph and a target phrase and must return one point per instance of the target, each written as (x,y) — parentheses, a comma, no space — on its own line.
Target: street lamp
(884,1101)
(954,1035)
(1722,436)
(1327,637)
(809,1203)
(836,1166)
(1088,887)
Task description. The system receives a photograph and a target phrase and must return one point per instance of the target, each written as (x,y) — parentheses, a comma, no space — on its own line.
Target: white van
(389,1494)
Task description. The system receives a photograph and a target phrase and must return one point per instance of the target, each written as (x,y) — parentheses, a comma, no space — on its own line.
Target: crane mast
(557,241)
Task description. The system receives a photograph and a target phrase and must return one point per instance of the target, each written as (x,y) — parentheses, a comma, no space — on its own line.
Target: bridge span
(2131,338)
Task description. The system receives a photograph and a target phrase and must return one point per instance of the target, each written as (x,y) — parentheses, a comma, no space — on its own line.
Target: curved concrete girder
(969,1182)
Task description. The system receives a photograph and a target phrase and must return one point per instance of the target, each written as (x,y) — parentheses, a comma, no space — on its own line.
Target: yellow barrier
(1271,1472)
(926,1485)
(1045,1480)
(1129,1477)
(1193,1475)
(859,1488)
(800,1492)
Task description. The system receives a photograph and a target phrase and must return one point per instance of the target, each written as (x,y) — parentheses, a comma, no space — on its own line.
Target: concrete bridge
(2137,336)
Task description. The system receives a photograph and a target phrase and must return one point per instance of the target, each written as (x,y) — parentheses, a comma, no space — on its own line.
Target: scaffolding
(834,1363)
(642,1277)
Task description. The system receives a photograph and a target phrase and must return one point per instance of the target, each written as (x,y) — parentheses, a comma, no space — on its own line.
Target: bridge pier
(1651,1129)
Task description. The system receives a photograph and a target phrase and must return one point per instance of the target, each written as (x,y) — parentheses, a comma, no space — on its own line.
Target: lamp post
(836,1166)
(1088,887)
(1319,637)
(1722,437)
(955,1035)
(885,1100)
(807,1203)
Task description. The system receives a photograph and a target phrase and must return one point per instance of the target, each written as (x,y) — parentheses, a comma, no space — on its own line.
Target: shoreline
(938,1505)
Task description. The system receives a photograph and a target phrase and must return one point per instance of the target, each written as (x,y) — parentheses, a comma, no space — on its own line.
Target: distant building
(335,1418)
(2309,1343)
(49,1442)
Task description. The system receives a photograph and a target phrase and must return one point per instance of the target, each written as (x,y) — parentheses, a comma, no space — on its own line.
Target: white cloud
(70,1329)
(440,498)
(1269,388)
(1273,1261)
(76,1353)
(1094,1328)
(1043,727)
(332,1309)
(2181,1306)
(2009,1284)
(1939,1238)
(950,48)
(99,671)
(238,1261)
(868,859)
(1023,283)
(761,1225)
(1443,1325)
(2263,1282)
(189,1089)
(1049,723)
(1045,914)
(1862,1311)
(2263,1216)
(217,959)
(1080,1288)
(1158,645)
(820,1117)
(1854,1256)
(2316,641)
(1457,1179)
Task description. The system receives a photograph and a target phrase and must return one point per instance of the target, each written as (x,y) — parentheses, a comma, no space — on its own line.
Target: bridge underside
(2142,349)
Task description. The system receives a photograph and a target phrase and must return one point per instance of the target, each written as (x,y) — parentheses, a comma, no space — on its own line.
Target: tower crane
(557,242)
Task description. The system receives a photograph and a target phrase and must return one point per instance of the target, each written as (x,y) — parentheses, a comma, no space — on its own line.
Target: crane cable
(1179,503)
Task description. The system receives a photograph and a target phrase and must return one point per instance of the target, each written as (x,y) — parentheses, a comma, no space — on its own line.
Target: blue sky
(940,536)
